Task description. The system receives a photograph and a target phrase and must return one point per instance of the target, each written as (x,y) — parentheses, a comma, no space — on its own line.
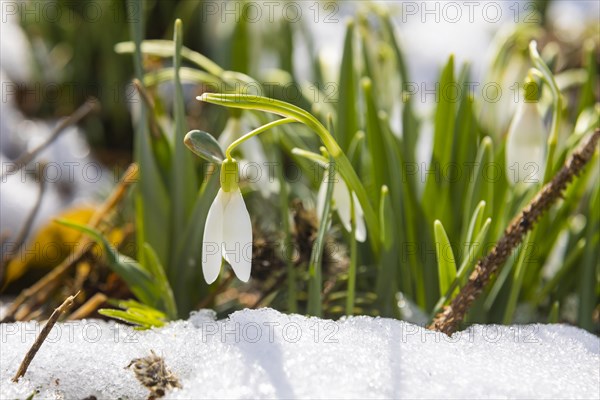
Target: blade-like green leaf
(475,224)
(465,268)
(314,269)
(445,257)
(183,175)
(436,201)
(135,313)
(158,272)
(151,197)
(517,281)
(164,48)
(188,285)
(588,280)
(139,280)
(377,159)
(347,122)
(480,188)
(387,276)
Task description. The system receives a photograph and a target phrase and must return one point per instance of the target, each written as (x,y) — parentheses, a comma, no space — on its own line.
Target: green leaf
(188,285)
(588,280)
(134,313)
(436,201)
(480,187)
(151,197)
(517,281)
(410,122)
(377,159)
(141,283)
(389,272)
(183,175)
(347,122)
(475,223)
(240,47)
(468,263)
(156,269)
(315,284)
(465,268)
(164,48)
(204,145)
(587,97)
(464,147)
(445,116)
(186,74)
(445,258)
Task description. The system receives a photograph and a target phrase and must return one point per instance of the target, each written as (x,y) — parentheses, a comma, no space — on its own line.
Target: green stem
(292,305)
(255,132)
(309,155)
(250,102)
(315,304)
(557,106)
(353,255)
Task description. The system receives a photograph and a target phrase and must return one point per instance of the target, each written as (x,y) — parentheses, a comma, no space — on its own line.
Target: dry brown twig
(88,307)
(29,298)
(447,321)
(19,240)
(86,108)
(64,307)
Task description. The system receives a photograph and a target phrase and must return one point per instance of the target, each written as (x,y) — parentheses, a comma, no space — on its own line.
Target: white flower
(228,230)
(525,144)
(341,201)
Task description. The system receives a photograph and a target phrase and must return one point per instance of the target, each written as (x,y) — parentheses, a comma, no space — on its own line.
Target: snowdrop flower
(341,199)
(525,141)
(228,230)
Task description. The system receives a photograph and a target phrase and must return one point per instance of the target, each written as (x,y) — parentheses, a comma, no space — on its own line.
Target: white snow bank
(266,354)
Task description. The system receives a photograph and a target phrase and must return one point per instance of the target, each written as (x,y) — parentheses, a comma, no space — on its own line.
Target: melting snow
(266,354)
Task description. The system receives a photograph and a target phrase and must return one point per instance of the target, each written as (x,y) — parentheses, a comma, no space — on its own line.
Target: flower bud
(526,140)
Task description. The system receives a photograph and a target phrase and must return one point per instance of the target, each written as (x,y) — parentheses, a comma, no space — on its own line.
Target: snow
(266,354)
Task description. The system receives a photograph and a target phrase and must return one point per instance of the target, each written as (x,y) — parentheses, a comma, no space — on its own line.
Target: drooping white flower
(228,229)
(525,142)
(342,202)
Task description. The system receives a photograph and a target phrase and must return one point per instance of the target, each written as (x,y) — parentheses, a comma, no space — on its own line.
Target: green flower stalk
(250,102)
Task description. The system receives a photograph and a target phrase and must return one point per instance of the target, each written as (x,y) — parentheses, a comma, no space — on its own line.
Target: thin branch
(447,321)
(88,307)
(43,334)
(20,239)
(87,107)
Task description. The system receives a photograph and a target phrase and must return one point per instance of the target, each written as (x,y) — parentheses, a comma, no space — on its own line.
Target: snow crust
(267,354)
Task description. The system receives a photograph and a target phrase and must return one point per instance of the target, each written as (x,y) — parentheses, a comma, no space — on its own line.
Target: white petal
(361,231)
(237,236)
(321,196)
(525,145)
(341,196)
(213,237)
